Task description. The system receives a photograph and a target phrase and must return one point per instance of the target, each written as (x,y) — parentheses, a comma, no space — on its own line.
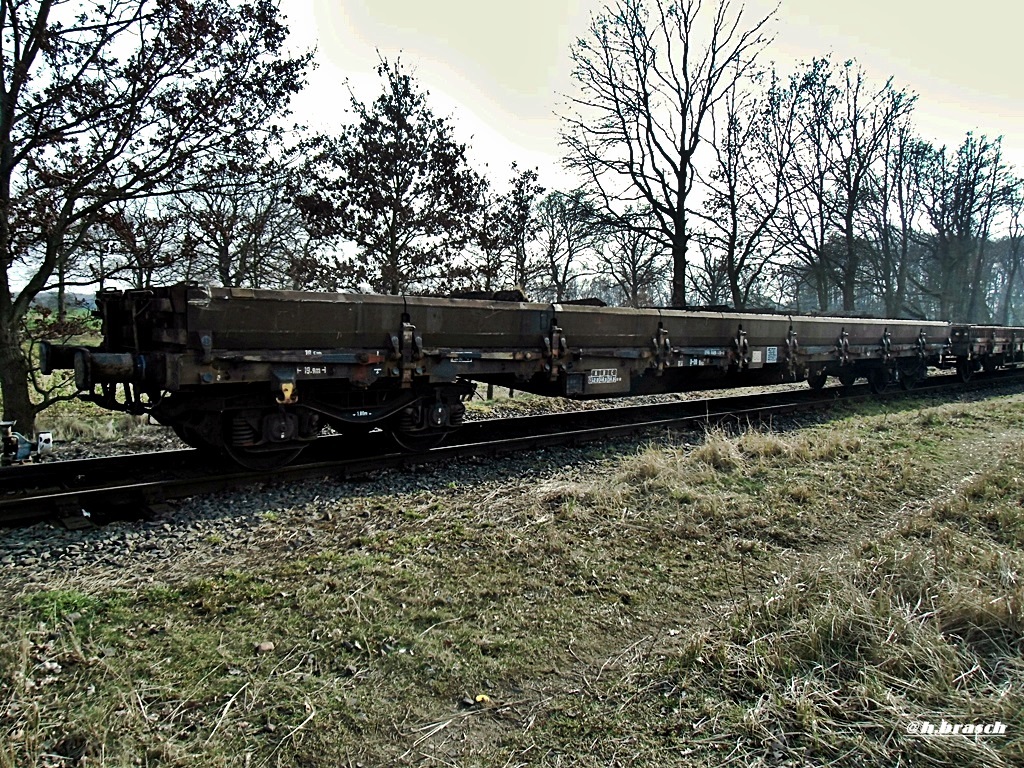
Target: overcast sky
(500,69)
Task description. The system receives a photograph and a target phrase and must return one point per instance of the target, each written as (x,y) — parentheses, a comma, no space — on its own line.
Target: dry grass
(923,623)
(758,598)
(833,662)
(100,427)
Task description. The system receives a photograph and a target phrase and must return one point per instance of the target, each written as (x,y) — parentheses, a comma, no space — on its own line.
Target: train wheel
(909,377)
(264,440)
(817,379)
(847,377)
(879,380)
(964,370)
(186,436)
(263,460)
(425,424)
(191,438)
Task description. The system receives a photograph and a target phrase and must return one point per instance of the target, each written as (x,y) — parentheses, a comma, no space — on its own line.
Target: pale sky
(500,68)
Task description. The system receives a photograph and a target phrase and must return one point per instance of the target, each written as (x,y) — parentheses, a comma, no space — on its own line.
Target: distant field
(767,598)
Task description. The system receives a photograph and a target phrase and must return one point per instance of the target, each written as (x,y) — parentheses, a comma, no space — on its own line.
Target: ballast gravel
(192,536)
(197,534)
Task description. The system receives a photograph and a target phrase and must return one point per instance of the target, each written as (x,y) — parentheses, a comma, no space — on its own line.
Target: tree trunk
(957,288)
(738,301)
(62,291)
(679,269)
(976,310)
(1004,312)
(224,264)
(14,375)
(850,288)
(902,278)
(1011,278)
(851,266)
(821,287)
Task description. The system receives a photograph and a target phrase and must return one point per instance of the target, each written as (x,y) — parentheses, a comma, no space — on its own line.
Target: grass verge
(751,599)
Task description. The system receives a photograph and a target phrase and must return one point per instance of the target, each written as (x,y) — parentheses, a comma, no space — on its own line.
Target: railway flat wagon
(681,350)
(258,374)
(973,348)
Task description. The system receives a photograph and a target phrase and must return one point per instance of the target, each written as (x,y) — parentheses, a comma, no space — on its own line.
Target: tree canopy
(144,141)
(397,185)
(648,74)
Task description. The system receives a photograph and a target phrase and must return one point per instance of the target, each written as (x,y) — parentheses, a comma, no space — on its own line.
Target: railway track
(87,491)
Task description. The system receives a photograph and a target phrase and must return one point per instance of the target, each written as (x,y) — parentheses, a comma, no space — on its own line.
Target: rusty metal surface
(192,337)
(251,319)
(245,319)
(184,338)
(987,343)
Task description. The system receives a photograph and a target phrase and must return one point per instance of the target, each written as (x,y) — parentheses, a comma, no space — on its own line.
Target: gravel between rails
(214,528)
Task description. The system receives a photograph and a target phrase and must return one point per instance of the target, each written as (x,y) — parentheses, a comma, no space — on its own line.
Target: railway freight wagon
(984,347)
(258,374)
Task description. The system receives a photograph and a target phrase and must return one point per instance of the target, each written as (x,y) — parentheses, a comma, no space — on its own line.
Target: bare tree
(755,142)
(634,264)
(1014,250)
(707,276)
(996,192)
(646,85)
(895,204)
(506,226)
(112,101)
(142,240)
(857,131)
(843,128)
(569,232)
(807,223)
(963,192)
(243,225)
(517,220)
(487,242)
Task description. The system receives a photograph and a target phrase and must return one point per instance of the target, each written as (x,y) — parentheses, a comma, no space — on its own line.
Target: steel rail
(94,489)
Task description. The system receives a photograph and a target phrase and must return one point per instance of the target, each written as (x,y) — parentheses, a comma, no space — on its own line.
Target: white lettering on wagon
(312,370)
(604,376)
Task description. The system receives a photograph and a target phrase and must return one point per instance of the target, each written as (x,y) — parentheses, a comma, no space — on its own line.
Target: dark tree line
(145,142)
(809,191)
